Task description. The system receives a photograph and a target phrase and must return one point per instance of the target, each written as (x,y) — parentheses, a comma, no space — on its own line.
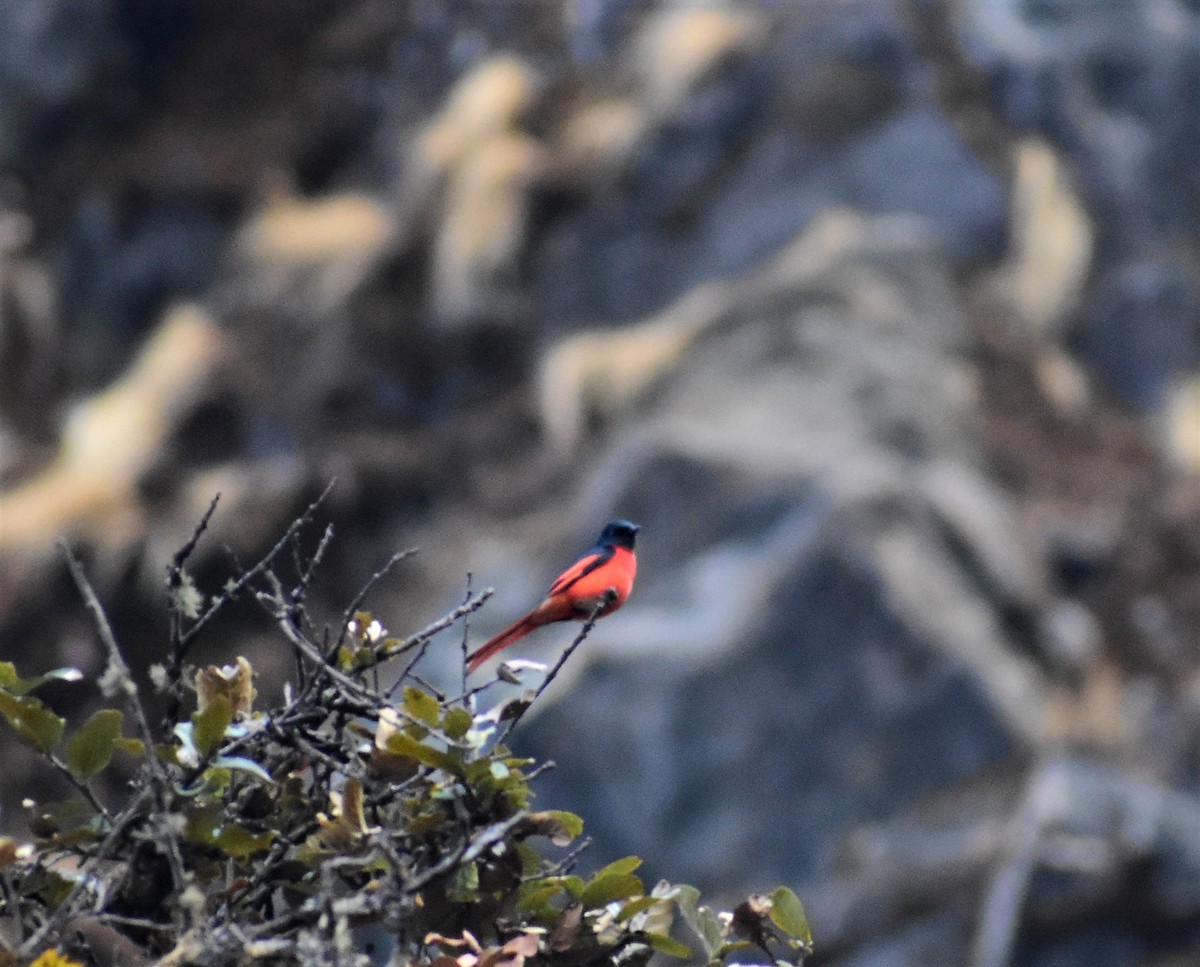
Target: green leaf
(737,947)
(457,722)
(464,884)
(658,918)
(532,864)
(61,818)
(133,746)
(572,884)
(213,781)
(534,895)
(12,683)
(613,882)
(558,826)
(428,821)
(48,886)
(626,864)
(701,920)
(604,889)
(209,726)
(669,946)
(239,842)
(422,706)
(401,743)
(204,823)
(91,748)
(636,906)
(787,913)
(35,723)
(571,823)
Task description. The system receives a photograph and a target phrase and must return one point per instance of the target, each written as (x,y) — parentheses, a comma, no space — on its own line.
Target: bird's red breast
(590,579)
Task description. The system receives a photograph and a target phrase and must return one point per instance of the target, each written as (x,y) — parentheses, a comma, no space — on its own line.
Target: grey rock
(1106,82)
(79,65)
(819,537)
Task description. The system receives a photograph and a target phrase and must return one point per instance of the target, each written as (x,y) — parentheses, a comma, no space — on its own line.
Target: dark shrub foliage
(366,819)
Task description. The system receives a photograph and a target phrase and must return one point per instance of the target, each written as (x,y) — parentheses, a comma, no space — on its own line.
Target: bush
(355,823)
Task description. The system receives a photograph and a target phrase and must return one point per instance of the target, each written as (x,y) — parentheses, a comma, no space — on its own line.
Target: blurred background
(882,317)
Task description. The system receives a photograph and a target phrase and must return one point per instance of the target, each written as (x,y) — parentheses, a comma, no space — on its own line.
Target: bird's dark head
(618,533)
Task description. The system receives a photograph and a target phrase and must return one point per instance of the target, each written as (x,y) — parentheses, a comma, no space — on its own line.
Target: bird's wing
(585,565)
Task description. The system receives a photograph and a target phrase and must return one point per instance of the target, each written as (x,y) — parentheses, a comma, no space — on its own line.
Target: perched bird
(606,571)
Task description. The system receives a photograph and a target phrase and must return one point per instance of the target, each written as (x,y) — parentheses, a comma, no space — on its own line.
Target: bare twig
(160,781)
(308,571)
(175,581)
(464,609)
(82,787)
(237,586)
(352,689)
(567,863)
(361,596)
(177,648)
(608,599)
(427,633)
(465,644)
(470,851)
(116,661)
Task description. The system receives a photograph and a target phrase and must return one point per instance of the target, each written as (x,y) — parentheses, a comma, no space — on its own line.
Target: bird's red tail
(507,637)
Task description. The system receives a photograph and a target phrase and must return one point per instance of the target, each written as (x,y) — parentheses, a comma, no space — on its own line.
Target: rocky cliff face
(880,317)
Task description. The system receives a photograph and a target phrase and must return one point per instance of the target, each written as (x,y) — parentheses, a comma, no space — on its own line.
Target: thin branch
(141,923)
(234,589)
(465,644)
(349,686)
(361,596)
(422,637)
(306,575)
(82,787)
(175,579)
(284,608)
(116,660)
(185,552)
(470,850)
(298,594)
(567,863)
(541,768)
(181,641)
(161,782)
(609,597)
(278,609)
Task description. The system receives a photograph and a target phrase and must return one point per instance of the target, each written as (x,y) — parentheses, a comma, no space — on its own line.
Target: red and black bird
(606,571)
